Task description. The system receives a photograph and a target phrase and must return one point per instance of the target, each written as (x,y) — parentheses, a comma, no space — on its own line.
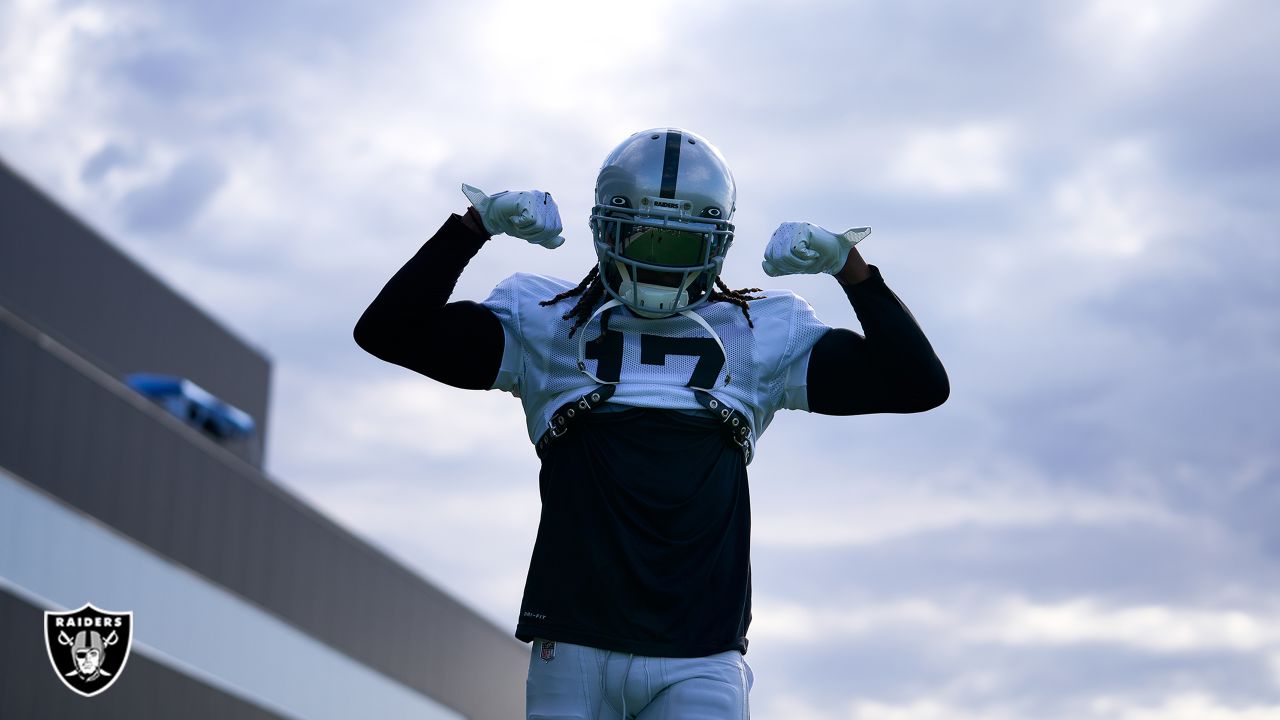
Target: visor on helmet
(665,246)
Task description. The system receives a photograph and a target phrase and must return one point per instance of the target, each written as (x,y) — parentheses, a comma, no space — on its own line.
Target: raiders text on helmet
(664,198)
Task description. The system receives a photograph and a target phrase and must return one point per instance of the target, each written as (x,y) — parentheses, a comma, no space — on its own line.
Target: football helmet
(664,198)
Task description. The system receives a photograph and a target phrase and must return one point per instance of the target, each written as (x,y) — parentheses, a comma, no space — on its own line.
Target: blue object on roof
(194,405)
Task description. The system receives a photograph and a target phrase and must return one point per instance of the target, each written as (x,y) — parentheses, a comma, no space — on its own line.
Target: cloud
(1133,35)
(1180,706)
(1152,628)
(1017,621)
(973,654)
(393,422)
(109,158)
(39,46)
(871,512)
(1183,706)
(923,709)
(1111,207)
(1086,529)
(967,159)
(174,202)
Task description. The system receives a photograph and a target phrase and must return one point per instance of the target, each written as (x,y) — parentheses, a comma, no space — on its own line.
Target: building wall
(29,690)
(130,503)
(62,277)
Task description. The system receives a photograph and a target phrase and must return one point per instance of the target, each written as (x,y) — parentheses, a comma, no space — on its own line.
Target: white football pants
(584,683)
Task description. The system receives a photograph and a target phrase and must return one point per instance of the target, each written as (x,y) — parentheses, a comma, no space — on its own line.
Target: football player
(645,387)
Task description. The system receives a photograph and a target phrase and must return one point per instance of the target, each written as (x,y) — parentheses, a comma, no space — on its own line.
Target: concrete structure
(247,602)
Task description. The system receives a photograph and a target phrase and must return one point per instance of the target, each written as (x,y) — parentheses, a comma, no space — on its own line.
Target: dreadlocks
(591,290)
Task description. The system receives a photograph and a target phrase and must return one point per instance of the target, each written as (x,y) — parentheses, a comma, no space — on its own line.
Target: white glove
(530,215)
(801,248)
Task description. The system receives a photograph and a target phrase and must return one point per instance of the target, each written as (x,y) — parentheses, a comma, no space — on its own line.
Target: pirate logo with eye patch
(88,647)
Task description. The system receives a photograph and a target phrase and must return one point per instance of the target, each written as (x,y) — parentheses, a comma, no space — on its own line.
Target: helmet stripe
(671,164)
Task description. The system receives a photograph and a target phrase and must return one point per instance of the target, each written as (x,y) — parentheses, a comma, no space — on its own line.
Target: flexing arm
(410,324)
(893,369)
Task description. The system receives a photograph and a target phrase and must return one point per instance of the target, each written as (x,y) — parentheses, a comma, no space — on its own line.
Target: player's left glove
(801,248)
(530,215)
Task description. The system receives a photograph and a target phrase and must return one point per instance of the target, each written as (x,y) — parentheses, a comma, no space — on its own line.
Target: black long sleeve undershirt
(893,369)
(410,323)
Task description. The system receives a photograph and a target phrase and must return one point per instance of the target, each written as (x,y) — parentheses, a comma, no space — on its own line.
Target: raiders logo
(88,647)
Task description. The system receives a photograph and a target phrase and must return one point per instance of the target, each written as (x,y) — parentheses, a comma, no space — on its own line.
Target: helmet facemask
(659,265)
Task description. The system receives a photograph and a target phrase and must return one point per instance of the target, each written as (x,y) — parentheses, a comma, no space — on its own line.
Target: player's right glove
(799,248)
(530,215)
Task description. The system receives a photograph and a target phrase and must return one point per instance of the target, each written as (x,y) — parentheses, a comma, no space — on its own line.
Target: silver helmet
(664,198)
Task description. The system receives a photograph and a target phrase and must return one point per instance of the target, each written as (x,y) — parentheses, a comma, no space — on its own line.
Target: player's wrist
(855,269)
(472,221)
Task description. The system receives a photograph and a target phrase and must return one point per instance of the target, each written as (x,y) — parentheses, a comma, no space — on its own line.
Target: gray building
(246,601)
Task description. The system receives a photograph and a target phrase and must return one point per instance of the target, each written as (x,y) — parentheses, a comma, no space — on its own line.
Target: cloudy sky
(1079,200)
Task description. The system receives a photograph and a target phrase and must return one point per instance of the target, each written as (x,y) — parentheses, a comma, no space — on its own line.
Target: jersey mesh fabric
(762,371)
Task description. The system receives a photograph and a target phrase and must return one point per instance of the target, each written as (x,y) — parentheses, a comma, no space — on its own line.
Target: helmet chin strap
(706,326)
(582,339)
(647,298)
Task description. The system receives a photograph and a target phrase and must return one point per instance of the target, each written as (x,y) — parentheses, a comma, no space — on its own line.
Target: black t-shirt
(643,544)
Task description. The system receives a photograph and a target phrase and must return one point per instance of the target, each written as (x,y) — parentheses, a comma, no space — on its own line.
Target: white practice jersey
(654,359)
